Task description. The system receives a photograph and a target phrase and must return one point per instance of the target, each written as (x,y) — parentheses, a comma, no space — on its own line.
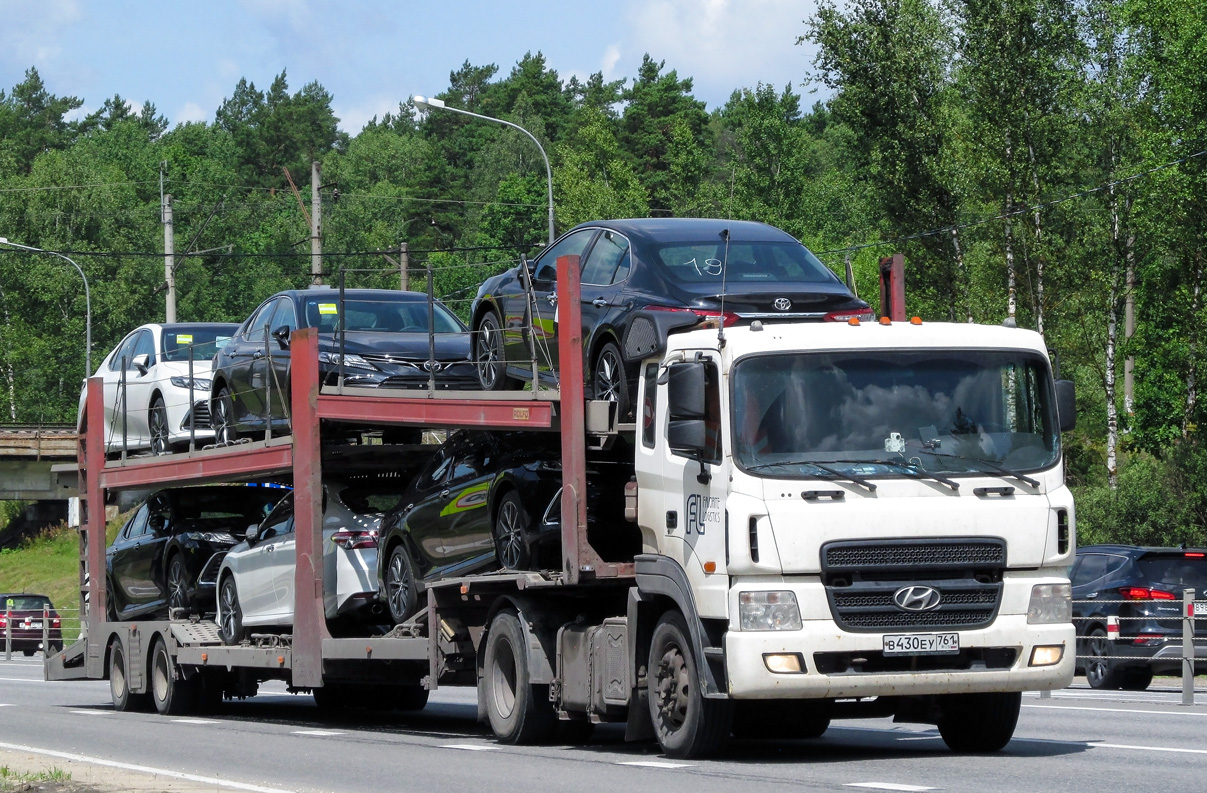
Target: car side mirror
(281,334)
(142,363)
(1066,405)
(250,535)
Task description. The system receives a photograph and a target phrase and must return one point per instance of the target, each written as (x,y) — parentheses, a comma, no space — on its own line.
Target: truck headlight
(768,611)
(1050,604)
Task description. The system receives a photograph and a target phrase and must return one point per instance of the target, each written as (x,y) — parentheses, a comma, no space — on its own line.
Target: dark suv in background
(27,611)
(1143,588)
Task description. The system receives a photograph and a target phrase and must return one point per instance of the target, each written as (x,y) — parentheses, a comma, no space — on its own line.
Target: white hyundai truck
(827,520)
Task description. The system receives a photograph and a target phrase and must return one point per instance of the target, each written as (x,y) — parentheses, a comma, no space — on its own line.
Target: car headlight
(768,611)
(1050,604)
(351,361)
(199,383)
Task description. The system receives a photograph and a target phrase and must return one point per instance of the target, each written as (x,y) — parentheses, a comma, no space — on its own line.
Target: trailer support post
(309,614)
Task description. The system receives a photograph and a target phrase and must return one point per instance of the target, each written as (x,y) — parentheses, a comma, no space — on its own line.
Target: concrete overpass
(38,462)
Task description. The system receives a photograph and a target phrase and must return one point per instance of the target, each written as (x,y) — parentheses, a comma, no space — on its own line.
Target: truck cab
(862,510)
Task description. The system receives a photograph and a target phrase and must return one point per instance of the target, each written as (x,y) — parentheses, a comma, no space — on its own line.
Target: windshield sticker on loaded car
(327,308)
(184,338)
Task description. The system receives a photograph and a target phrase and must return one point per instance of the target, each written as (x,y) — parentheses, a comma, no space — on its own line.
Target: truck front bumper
(835,663)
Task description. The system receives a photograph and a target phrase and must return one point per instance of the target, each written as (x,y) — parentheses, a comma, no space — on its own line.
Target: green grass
(49,564)
(12,780)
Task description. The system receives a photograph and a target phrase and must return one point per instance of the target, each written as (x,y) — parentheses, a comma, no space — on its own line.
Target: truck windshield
(893,413)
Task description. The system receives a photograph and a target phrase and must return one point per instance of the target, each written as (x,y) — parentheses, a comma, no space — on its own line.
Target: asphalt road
(1077,740)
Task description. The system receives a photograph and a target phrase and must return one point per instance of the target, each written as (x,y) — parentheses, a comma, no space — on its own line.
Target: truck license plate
(922,644)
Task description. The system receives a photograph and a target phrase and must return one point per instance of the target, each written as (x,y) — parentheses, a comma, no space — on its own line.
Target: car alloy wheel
(157,422)
(511,530)
(608,379)
(223,421)
(401,594)
(489,354)
(1100,671)
(230,627)
(178,584)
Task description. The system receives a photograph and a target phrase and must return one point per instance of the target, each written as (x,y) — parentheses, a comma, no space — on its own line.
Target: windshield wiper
(919,471)
(1001,470)
(834,473)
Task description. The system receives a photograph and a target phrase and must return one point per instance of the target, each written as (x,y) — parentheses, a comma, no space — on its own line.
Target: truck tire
(329,698)
(119,681)
(518,711)
(978,722)
(409,698)
(172,694)
(686,724)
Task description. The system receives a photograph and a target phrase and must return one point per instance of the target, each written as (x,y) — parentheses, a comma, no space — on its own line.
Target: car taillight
(1143,593)
(1148,639)
(3,621)
(727,318)
(353,539)
(54,623)
(861,314)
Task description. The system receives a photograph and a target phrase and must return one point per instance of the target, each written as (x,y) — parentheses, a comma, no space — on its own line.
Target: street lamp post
(428,104)
(87,299)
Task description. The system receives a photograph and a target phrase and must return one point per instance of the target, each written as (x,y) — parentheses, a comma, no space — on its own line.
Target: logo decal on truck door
(701,510)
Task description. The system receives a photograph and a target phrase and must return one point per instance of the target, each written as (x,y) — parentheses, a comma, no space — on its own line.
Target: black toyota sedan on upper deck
(661,264)
(386,345)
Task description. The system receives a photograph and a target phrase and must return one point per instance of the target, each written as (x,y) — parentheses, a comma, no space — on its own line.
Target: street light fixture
(87,299)
(428,104)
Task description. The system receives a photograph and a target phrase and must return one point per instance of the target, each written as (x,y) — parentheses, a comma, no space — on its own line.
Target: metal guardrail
(1116,635)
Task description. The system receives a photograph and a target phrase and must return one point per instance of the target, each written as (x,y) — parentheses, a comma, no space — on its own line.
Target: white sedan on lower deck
(256,577)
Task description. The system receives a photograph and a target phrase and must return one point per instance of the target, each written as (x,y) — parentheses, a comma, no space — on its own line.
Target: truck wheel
(119,681)
(511,534)
(1100,671)
(978,722)
(329,698)
(489,353)
(518,711)
(409,698)
(230,627)
(402,591)
(686,724)
(171,692)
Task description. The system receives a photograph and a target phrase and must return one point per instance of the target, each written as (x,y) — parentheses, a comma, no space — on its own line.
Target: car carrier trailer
(759,605)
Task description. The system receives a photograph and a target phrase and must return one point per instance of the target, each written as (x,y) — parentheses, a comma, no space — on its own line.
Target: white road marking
(923,738)
(1101,745)
(92,712)
(469,747)
(655,764)
(1116,710)
(319,733)
(889,786)
(205,780)
(196,721)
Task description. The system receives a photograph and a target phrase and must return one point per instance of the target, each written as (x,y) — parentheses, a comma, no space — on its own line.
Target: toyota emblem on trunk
(782,304)
(917,598)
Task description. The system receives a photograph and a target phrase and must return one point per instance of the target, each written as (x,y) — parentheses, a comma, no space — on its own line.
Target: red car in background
(26,614)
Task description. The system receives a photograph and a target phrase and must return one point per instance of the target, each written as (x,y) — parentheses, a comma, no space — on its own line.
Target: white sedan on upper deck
(149,401)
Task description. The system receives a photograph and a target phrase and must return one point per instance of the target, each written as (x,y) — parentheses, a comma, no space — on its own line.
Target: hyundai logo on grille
(917,598)
(782,304)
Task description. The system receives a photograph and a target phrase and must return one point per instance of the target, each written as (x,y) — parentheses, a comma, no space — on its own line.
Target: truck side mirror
(1066,405)
(685,408)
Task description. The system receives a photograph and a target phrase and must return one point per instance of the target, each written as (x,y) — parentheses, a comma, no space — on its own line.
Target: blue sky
(186,57)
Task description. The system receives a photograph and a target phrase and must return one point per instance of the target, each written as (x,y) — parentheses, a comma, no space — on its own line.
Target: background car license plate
(922,644)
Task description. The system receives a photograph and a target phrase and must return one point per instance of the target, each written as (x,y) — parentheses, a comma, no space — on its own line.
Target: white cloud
(610,58)
(190,111)
(353,117)
(723,44)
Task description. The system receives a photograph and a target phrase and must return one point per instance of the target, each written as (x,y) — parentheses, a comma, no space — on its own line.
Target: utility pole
(316,223)
(404,263)
(169,255)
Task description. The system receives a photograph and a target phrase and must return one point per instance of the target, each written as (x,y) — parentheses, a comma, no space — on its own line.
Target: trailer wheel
(119,681)
(518,711)
(685,723)
(409,698)
(978,722)
(172,693)
(230,627)
(329,697)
